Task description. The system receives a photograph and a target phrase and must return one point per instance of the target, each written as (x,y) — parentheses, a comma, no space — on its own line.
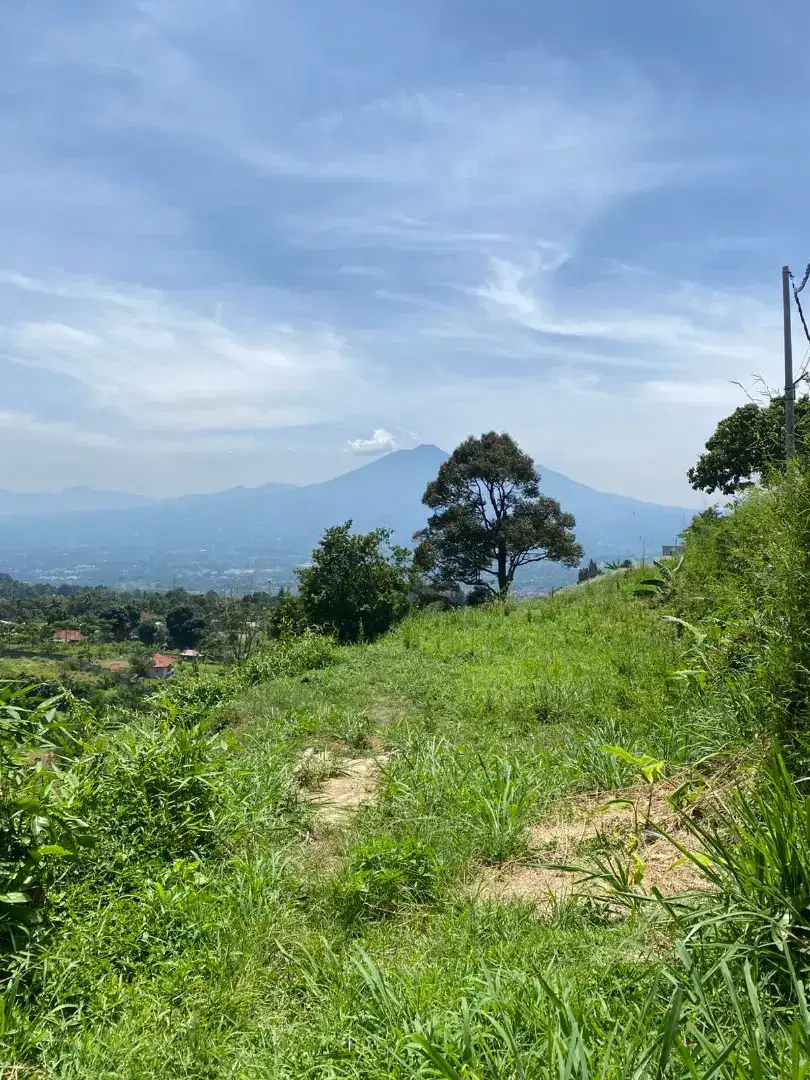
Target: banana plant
(659,586)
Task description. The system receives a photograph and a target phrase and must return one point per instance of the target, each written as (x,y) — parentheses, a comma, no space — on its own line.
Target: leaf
(650,767)
(623,804)
(438,1060)
(52,849)
(670,1030)
(700,635)
(639,867)
(621,753)
(13,898)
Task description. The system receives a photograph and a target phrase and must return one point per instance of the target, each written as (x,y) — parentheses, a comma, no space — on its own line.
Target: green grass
(216,929)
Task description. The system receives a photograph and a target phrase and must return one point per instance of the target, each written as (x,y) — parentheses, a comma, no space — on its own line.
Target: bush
(39,829)
(156,791)
(355,589)
(288,618)
(385,875)
(745,582)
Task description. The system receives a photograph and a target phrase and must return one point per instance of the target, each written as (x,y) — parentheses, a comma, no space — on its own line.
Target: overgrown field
(346,862)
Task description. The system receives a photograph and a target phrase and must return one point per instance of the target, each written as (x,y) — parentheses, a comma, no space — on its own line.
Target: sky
(261,240)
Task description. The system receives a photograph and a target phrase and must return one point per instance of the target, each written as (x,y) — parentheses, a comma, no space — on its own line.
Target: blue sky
(252,241)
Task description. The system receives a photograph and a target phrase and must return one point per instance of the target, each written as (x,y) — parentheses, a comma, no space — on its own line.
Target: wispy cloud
(161,365)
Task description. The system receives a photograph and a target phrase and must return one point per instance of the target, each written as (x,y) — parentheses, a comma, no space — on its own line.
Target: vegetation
(354,588)
(749,445)
(490,519)
(567,837)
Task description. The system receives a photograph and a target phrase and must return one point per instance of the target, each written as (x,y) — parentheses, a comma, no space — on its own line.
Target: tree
(148,632)
(355,588)
(287,618)
(490,518)
(238,629)
(749,444)
(586,573)
(140,662)
(186,625)
(119,620)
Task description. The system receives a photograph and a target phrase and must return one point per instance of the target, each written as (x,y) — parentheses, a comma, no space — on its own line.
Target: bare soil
(592,825)
(353,782)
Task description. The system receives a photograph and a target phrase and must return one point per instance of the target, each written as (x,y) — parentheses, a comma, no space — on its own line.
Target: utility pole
(790,386)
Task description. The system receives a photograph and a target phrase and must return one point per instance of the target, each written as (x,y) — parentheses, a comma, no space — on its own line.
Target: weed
(385,875)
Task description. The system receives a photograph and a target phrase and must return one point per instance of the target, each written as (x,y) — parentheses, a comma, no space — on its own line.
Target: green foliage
(749,445)
(587,573)
(39,828)
(355,588)
(745,586)
(650,768)
(186,626)
(508,794)
(140,661)
(384,875)
(119,620)
(157,790)
(288,618)
(148,633)
(221,928)
(660,587)
(489,517)
(755,850)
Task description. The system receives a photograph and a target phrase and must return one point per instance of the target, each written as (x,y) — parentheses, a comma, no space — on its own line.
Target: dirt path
(353,782)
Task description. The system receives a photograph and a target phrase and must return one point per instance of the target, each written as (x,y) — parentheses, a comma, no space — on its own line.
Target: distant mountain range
(72,498)
(119,532)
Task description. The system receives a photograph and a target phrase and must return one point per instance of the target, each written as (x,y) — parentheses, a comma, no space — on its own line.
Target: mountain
(69,500)
(275,526)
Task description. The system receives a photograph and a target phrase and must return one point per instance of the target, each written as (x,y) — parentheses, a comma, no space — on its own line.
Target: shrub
(755,851)
(507,797)
(39,829)
(385,875)
(156,791)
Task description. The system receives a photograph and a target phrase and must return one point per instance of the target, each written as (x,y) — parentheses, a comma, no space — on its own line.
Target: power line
(798,301)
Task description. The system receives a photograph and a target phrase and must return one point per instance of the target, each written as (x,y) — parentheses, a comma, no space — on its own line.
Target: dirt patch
(593,828)
(116,667)
(353,781)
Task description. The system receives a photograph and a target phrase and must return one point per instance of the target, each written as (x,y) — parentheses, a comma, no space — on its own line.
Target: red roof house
(70,635)
(162,666)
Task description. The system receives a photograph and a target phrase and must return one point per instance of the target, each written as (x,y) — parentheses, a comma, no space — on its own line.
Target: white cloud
(160,364)
(381,442)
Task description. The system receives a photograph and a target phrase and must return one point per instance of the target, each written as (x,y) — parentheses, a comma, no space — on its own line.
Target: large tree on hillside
(490,518)
(748,445)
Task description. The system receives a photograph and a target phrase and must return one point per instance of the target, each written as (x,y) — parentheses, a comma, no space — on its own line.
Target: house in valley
(72,636)
(162,667)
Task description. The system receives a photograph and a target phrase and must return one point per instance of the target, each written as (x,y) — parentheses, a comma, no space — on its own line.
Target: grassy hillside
(346,862)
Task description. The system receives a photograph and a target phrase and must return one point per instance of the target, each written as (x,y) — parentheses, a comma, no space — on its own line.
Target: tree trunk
(503,578)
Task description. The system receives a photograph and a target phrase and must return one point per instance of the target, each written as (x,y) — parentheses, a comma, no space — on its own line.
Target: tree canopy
(749,444)
(490,518)
(355,587)
(186,626)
